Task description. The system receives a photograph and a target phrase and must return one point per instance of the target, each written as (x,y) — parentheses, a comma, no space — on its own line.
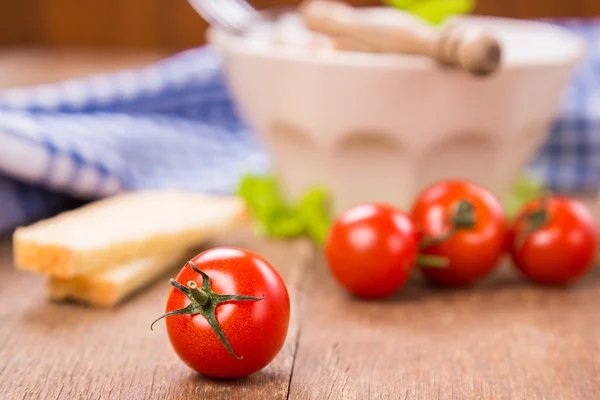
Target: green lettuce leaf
(525,189)
(401,4)
(434,11)
(310,216)
(313,210)
(274,217)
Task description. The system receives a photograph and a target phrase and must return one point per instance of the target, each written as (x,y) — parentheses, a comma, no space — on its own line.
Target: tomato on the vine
(553,240)
(371,250)
(228,312)
(463,223)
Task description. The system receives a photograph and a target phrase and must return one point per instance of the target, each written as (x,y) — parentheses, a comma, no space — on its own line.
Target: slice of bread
(108,288)
(122,228)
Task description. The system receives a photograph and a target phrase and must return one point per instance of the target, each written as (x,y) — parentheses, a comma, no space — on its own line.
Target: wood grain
(184,27)
(65,351)
(140,23)
(20,21)
(173,24)
(31,66)
(79,22)
(505,340)
(496,8)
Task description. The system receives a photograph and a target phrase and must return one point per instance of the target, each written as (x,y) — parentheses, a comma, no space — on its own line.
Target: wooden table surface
(22,66)
(504,339)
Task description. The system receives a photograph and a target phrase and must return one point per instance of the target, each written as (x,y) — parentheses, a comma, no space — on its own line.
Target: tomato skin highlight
(371,250)
(560,252)
(473,253)
(256,330)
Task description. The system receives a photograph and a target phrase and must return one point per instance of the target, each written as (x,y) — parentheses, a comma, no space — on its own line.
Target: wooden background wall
(172,24)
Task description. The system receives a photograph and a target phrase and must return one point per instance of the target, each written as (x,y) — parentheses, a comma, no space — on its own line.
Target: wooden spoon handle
(383,29)
(387,30)
(473,50)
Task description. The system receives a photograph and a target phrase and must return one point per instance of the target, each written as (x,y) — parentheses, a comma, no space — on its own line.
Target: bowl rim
(230,43)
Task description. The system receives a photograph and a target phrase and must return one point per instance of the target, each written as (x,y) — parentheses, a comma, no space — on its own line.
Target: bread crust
(122,228)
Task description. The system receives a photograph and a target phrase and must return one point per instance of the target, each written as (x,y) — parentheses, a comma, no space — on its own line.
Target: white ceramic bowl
(381,127)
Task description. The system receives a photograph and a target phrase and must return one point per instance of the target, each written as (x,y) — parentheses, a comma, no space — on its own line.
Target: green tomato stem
(204,301)
(428,261)
(198,294)
(463,217)
(534,220)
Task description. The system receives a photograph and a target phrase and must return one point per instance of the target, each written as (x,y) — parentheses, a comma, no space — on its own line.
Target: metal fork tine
(246,6)
(220,14)
(204,9)
(238,15)
(232,15)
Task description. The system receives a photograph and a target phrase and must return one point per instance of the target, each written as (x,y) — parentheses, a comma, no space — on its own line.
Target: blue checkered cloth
(173,124)
(569,160)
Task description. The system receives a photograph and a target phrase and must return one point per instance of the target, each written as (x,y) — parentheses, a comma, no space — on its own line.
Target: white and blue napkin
(173,124)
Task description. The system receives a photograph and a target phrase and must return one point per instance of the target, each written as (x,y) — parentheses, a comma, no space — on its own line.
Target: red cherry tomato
(554,242)
(371,250)
(228,313)
(463,223)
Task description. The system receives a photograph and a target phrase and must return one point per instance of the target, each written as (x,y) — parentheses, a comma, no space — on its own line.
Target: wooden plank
(175,25)
(506,340)
(51,351)
(504,8)
(141,23)
(19,21)
(590,8)
(184,27)
(79,23)
(546,8)
(30,66)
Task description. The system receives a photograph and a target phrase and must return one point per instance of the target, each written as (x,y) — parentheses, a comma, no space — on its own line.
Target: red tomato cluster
(457,233)
(229,309)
